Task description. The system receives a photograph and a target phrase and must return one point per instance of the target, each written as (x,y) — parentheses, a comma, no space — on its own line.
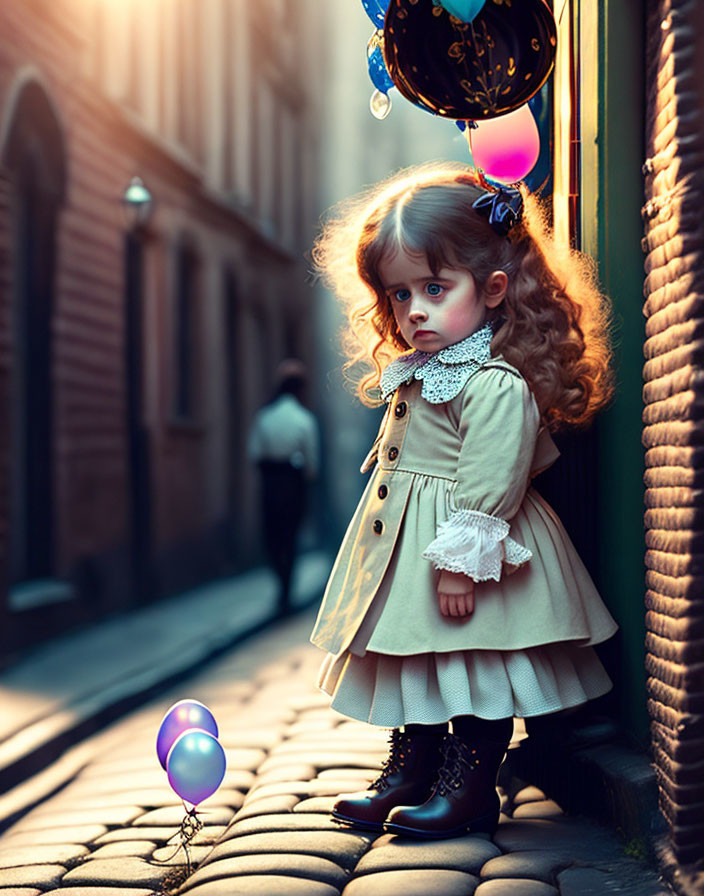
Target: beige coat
(475,452)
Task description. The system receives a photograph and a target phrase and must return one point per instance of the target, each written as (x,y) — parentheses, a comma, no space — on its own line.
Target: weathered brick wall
(674,416)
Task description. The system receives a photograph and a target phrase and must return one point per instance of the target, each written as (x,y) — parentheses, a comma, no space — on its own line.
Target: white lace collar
(444,373)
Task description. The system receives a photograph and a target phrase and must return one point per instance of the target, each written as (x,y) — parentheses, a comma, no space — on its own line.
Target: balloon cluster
(505,143)
(380,101)
(189,751)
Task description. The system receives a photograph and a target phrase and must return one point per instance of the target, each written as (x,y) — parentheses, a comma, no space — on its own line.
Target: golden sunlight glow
(563,118)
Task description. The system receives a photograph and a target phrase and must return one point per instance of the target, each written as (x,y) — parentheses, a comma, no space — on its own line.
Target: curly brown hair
(553,324)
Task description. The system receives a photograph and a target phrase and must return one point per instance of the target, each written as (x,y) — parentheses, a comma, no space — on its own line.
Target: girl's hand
(455,593)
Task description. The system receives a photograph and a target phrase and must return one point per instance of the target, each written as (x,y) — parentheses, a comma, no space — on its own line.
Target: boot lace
(399,742)
(459,759)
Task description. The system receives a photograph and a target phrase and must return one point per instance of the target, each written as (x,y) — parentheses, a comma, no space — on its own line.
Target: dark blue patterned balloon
(478,71)
(376,10)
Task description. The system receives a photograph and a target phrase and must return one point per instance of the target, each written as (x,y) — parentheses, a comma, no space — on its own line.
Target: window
(185,333)
(195,77)
(180,71)
(227,111)
(135,72)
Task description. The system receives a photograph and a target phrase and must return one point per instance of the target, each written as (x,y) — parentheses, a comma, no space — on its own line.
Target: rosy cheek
(457,318)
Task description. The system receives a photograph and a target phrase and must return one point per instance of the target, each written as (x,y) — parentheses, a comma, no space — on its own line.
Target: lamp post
(138,204)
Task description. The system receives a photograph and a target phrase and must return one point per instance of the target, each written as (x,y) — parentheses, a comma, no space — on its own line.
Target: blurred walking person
(283,442)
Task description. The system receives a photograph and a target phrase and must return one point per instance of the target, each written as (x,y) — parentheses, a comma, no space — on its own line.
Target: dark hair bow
(502,208)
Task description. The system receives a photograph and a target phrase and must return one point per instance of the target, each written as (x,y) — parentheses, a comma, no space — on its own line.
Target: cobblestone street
(267,831)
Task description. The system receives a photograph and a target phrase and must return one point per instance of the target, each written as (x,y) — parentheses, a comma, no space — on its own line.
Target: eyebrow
(431,276)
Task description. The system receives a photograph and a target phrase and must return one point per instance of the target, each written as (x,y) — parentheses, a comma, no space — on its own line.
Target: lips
(424,333)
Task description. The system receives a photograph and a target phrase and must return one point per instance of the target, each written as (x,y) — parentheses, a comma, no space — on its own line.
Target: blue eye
(402,295)
(433,289)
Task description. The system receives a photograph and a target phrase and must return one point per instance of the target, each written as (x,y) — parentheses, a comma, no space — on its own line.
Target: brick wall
(674,416)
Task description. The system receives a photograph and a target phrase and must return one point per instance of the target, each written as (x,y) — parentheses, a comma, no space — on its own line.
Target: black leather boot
(407,777)
(463,799)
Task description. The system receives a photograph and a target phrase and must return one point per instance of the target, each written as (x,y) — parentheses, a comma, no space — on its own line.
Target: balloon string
(190,826)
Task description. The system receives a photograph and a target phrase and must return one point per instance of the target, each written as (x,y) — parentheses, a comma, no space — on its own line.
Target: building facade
(133,353)
(673,428)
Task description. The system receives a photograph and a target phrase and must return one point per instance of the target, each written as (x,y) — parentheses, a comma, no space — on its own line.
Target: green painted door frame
(613,106)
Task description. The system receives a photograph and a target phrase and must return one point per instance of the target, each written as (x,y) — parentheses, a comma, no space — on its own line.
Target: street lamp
(138,204)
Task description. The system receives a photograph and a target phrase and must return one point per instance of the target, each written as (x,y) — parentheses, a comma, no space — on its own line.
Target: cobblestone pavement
(267,831)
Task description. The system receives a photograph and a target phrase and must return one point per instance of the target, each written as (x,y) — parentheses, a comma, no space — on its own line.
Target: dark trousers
(283,506)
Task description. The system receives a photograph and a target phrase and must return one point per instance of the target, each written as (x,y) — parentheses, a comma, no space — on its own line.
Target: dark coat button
(378,527)
(383,492)
(393,452)
(400,409)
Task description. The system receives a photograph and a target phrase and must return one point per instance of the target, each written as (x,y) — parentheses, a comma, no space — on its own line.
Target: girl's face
(431,311)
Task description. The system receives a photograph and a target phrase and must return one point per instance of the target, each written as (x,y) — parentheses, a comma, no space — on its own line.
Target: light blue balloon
(465,10)
(195,765)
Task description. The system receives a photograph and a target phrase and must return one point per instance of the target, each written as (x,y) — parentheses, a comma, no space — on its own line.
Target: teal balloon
(465,10)
(195,765)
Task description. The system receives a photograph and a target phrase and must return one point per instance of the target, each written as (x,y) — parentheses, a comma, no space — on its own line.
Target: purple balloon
(195,765)
(181,716)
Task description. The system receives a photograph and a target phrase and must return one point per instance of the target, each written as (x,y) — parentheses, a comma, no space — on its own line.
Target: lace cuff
(475,544)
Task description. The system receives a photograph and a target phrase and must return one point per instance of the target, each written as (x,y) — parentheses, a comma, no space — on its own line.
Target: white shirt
(285,431)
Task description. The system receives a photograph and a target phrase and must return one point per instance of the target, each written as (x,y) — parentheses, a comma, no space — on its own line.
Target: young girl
(457,596)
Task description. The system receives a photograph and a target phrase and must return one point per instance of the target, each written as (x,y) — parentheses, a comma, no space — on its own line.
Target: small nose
(417,311)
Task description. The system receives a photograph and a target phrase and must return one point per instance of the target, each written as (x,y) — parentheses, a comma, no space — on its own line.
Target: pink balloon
(179,717)
(506,148)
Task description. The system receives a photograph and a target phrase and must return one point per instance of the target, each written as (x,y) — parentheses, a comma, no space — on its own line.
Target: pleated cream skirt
(430,688)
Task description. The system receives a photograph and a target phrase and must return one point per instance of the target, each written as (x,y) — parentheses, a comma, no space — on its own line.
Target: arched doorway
(33,156)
